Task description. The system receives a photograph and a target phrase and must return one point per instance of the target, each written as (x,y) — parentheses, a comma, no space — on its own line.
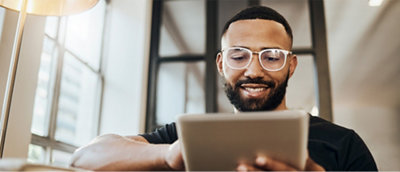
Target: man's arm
(114,152)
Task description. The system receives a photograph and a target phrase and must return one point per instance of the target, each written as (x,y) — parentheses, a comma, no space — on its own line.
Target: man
(256,63)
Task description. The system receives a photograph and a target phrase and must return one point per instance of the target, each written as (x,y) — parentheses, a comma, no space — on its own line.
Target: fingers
(312,166)
(263,162)
(246,167)
(174,157)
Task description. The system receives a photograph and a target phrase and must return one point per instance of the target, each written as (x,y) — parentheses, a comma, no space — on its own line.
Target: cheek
(280,76)
(231,76)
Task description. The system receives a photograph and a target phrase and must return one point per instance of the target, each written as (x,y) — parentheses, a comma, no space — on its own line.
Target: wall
(126,66)
(18,133)
(378,126)
(363,45)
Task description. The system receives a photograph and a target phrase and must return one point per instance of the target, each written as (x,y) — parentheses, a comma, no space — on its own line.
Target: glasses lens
(273,59)
(237,57)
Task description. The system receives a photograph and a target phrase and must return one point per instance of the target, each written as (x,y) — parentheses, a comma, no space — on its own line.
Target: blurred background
(127,67)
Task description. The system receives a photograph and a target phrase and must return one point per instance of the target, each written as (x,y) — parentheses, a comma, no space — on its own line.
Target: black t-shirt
(332,146)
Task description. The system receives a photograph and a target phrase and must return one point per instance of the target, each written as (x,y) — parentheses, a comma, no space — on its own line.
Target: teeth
(254,89)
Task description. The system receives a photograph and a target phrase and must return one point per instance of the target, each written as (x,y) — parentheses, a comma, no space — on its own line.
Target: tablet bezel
(208,149)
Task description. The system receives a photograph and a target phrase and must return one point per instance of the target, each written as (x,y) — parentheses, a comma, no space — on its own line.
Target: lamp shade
(50,7)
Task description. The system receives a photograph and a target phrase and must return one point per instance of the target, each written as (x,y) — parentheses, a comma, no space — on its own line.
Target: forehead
(256,34)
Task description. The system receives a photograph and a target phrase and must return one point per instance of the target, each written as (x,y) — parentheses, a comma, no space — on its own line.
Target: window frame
(155,61)
(48,142)
(318,50)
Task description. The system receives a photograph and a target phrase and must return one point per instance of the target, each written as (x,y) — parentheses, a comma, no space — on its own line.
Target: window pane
(36,154)
(84,34)
(183,28)
(77,116)
(180,89)
(300,93)
(226,10)
(51,26)
(43,97)
(60,158)
(297,14)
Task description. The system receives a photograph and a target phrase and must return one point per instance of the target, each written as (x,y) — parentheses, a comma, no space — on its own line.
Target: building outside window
(68,95)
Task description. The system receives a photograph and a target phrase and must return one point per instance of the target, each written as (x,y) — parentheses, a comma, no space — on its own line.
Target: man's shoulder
(319,125)
(164,135)
(329,133)
(338,148)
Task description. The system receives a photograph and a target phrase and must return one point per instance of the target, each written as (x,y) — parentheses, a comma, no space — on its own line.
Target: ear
(292,64)
(218,61)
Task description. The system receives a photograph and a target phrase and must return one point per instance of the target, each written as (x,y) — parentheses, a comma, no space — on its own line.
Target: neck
(282,106)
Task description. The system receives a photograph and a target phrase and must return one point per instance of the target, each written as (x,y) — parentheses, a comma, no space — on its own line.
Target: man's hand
(263,163)
(174,157)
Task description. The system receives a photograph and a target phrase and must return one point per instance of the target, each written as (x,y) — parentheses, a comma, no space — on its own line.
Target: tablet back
(219,141)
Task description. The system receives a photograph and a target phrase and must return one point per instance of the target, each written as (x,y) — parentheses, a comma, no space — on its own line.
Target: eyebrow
(262,48)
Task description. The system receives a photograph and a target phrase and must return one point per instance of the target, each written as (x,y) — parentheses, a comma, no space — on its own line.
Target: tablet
(219,141)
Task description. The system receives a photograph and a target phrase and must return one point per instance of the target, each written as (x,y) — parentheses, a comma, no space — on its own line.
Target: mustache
(254,81)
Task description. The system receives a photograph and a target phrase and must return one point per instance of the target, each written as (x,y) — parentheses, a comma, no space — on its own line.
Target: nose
(254,70)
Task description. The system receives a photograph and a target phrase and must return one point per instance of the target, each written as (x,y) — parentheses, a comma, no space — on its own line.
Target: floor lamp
(35,7)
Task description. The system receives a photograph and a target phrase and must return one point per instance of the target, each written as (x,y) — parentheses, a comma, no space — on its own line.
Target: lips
(253,90)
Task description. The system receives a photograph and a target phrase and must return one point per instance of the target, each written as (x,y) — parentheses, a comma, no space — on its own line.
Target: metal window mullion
(53,144)
(211,51)
(57,86)
(186,87)
(86,64)
(74,55)
(49,108)
(99,105)
(50,96)
(49,37)
(323,86)
(303,51)
(101,71)
(56,94)
(153,65)
(48,154)
(183,58)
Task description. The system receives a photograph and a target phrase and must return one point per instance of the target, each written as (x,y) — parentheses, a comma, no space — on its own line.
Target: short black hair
(259,12)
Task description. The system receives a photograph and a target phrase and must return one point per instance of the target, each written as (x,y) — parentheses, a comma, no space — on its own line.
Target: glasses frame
(285,52)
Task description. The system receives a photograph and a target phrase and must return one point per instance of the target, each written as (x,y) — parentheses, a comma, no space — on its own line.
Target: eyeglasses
(240,58)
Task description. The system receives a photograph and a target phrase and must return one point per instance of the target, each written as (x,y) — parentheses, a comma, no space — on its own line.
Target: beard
(270,102)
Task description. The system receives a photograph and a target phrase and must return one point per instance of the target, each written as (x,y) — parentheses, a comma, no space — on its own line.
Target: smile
(254,90)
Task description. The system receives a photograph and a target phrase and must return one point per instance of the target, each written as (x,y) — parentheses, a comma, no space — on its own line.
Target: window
(180,60)
(67,101)
(184,43)
(184,82)
(183,77)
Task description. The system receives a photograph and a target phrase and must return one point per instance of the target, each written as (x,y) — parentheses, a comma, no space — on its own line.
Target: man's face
(254,88)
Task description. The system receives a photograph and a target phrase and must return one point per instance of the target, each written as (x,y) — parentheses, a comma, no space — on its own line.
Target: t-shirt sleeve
(164,135)
(358,157)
